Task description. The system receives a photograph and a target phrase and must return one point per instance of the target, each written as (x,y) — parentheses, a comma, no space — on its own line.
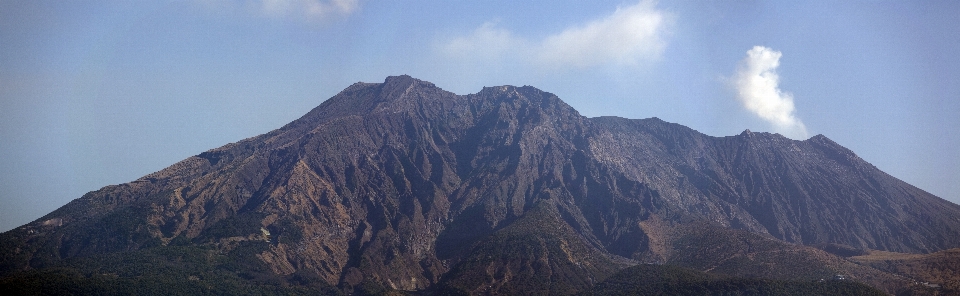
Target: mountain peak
(401,77)
(408,186)
(404,82)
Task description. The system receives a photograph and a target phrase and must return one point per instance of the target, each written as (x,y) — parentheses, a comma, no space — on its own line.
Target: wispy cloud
(629,35)
(301,10)
(758,89)
(310,9)
(487,43)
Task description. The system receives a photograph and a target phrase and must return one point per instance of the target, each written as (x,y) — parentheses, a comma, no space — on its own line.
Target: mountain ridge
(396,184)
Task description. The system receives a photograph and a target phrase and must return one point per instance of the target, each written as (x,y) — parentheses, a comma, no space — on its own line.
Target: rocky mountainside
(402,185)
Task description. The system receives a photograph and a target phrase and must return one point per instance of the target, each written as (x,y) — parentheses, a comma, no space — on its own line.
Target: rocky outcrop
(401,184)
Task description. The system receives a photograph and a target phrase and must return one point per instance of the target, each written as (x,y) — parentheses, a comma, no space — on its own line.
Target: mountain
(401,185)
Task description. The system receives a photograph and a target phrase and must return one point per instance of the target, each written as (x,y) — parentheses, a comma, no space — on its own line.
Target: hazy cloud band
(301,10)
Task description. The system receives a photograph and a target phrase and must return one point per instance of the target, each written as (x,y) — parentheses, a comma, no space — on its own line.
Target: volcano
(402,186)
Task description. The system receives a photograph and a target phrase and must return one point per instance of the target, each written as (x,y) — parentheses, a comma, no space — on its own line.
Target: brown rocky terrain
(930,274)
(401,185)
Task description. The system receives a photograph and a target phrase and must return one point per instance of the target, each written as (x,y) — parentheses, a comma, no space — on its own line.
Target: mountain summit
(402,185)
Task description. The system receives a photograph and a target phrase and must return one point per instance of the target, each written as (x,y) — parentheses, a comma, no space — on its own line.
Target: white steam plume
(758,89)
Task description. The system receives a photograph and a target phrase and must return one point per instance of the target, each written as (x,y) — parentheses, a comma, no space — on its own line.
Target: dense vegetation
(672,280)
(933,274)
(171,270)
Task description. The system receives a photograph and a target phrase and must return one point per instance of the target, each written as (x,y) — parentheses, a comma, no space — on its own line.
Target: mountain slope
(399,185)
(808,192)
(538,251)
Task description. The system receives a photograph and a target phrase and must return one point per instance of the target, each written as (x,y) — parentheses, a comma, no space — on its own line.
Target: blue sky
(94,93)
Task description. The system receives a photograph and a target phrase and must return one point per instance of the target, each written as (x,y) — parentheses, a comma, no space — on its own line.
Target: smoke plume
(757,85)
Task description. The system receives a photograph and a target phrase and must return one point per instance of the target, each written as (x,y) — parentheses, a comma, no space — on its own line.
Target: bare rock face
(808,192)
(405,186)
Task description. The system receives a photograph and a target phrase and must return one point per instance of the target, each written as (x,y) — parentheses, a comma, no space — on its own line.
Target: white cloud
(758,89)
(309,9)
(486,43)
(630,34)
